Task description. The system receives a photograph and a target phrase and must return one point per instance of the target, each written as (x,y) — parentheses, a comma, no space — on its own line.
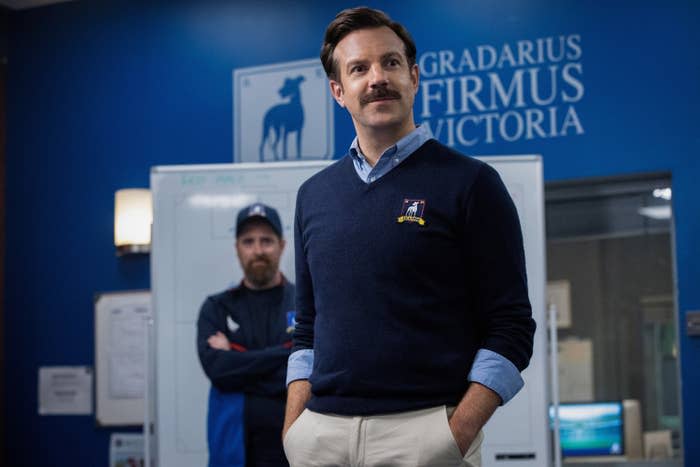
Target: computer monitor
(590,429)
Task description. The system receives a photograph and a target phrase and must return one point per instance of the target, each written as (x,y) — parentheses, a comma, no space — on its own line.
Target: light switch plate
(692,323)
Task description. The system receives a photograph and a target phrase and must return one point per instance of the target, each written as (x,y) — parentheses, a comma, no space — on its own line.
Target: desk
(624,463)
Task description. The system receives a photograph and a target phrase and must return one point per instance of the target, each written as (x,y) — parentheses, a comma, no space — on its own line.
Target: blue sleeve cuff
(496,373)
(299,365)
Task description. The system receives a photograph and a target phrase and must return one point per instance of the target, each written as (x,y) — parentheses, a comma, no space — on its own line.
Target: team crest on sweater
(291,321)
(412,211)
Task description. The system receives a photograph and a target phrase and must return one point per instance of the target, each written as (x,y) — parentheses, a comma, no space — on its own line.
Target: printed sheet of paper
(65,390)
(127,353)
(126,450)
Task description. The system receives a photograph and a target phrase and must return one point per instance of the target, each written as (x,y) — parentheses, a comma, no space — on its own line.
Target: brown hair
(353,19)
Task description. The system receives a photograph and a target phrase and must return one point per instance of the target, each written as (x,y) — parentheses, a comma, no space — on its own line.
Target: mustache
(262,258)
(379,93)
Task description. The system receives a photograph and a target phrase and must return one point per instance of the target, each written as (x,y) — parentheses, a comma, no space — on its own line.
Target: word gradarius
(524,90)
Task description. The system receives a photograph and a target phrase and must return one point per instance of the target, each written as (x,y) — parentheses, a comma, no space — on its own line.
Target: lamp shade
(133,215)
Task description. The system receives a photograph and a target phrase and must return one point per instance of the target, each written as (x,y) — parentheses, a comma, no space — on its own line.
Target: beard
(260,271)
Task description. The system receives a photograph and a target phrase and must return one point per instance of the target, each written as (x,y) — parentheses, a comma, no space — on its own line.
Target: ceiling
(24,4)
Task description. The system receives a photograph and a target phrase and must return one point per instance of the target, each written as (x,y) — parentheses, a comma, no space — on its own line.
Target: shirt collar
(404,146)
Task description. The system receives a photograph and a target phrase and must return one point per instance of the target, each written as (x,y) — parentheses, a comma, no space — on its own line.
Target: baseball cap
(259,211)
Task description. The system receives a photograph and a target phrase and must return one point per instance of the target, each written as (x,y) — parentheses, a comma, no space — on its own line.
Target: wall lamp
(133,215)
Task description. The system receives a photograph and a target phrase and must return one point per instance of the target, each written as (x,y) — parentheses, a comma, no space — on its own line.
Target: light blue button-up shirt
(489,368)
(390,158)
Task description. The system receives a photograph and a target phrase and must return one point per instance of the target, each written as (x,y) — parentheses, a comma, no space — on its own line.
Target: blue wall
(98,92)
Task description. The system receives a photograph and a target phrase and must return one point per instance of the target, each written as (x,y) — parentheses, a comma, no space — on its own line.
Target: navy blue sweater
(401,281)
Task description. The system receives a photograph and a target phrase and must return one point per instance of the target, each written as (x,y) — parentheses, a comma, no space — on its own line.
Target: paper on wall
(126,450)
(127,353)
(65,390)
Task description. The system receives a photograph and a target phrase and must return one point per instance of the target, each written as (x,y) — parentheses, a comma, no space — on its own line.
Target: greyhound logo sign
(282,112)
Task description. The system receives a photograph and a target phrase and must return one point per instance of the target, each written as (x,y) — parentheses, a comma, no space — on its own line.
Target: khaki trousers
(420,438)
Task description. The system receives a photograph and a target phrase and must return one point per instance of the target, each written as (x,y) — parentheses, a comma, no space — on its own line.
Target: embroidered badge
(232,325)
(257,210)
(291,321)
(412,211)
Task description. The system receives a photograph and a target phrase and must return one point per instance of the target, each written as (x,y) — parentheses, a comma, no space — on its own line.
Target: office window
(610,269)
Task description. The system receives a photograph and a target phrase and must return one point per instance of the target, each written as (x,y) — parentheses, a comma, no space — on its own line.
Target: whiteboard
(521,428)
(193,256)
(120,353)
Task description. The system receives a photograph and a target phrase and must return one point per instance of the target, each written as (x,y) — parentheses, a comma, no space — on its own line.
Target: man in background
(413,320)
(243,341)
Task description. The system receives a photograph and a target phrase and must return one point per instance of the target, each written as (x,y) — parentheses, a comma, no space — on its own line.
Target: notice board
(121,323)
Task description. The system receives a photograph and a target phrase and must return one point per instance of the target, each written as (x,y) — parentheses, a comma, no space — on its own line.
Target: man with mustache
(243,341)
(414,320)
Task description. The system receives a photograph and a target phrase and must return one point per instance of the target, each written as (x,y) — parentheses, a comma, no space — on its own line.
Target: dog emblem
(412,211)
(283,119)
